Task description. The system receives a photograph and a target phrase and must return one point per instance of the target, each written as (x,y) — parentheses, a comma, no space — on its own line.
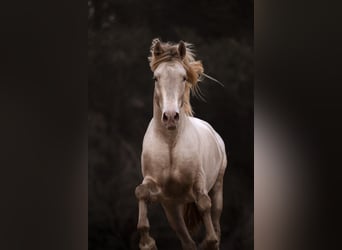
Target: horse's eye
(155,79)
(184,78)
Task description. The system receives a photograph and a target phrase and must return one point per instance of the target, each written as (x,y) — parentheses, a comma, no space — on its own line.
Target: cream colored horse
(183,158)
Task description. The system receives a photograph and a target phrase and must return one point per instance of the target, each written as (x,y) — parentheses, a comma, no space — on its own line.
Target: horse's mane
(194,69)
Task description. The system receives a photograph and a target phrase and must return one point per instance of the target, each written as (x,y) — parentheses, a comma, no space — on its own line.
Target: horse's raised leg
(204,207)
(145,192)
(174,214)
(216,195)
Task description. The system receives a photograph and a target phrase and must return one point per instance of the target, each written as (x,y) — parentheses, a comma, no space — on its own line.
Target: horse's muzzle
(170,119)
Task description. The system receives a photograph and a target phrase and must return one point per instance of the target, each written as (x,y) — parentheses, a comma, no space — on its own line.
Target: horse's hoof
(191,246)
(148,244)
(148,247)
(210,244)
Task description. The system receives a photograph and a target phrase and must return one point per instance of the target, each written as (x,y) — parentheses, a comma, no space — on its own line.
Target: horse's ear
(157,49)
(181,49)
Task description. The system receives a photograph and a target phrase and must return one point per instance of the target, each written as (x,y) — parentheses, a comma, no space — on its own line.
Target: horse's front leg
(174,214)
(203,202)
(145,192)
(216,195)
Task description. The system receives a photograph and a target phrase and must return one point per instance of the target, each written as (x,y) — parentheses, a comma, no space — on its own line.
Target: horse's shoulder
(201,124)
(152,143)
(148,130)
(204,126)
(150,137)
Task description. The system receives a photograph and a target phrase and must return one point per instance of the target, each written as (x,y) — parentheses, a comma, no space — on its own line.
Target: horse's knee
(142,192)
(204,203)
(148,192)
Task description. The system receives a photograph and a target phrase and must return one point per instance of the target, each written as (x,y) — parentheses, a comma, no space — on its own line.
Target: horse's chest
(172,162)
(176,181)
(174,168)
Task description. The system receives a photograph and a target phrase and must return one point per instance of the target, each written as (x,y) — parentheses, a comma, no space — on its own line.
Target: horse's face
(170,79)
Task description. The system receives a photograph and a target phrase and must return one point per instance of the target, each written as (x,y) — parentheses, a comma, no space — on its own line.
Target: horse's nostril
(170,116)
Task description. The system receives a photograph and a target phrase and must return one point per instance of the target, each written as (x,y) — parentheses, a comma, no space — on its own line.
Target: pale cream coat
(182,164)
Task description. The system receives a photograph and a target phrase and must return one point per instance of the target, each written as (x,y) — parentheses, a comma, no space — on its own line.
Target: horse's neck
(170,136)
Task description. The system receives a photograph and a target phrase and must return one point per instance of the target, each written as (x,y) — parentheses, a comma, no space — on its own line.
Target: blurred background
(120,88)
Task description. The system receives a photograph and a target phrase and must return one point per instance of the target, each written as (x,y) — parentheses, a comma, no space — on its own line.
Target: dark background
(44,181)
(120,90)
(44,122)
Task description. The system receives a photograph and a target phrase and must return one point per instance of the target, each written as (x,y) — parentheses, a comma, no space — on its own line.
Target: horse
(183,158)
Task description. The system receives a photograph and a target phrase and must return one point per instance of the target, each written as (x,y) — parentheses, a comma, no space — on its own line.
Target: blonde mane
(194,69)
